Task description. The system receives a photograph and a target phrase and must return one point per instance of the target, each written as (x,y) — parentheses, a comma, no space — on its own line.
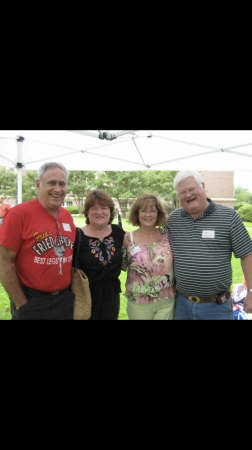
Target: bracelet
(17,307)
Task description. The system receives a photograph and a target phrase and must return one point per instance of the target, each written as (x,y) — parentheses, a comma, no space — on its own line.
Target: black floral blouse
(102,260)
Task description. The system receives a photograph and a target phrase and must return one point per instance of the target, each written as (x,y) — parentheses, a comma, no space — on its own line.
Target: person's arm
(246,264)
(9,278)
(125,247)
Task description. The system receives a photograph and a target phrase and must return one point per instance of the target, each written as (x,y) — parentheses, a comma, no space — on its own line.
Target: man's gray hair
(50,165)
(183,174)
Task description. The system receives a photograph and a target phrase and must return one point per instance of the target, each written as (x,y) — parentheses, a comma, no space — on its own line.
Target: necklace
(59,245)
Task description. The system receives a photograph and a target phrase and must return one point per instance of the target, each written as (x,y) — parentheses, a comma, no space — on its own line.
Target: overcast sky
(243,178)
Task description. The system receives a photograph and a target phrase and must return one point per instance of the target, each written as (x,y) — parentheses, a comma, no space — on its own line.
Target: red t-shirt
(44,245)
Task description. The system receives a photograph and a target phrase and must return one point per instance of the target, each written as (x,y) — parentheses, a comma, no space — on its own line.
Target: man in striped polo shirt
(203,235)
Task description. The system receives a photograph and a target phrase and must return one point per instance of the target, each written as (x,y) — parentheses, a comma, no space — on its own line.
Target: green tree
(125,186)
(79,183)
(160,183)
(245,212)
(242,195)
(29,190)
(8,183)
(122,185)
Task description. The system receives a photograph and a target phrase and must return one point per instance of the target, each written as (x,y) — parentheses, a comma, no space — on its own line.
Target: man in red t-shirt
(36,251)
(4,207)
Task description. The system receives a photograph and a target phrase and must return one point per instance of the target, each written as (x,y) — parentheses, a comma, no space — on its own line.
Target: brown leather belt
(219,298)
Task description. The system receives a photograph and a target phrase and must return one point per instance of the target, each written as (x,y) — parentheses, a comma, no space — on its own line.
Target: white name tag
(208,234)
(135,250)
(66,226)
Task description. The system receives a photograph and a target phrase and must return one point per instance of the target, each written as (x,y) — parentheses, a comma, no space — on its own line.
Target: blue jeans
(187,310)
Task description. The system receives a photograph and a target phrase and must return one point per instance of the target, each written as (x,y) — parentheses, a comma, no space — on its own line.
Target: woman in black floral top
(101,255)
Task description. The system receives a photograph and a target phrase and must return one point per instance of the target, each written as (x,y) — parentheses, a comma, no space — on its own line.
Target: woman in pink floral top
(148,259)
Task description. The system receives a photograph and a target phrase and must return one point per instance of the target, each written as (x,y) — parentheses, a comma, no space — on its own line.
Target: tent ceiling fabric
(129,149)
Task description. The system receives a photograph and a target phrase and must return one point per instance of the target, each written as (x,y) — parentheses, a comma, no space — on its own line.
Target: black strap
(77,248)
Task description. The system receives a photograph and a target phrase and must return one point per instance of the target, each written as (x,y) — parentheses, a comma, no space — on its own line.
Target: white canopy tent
(126,150)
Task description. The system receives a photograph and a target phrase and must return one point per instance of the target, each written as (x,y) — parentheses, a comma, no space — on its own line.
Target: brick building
(219,186)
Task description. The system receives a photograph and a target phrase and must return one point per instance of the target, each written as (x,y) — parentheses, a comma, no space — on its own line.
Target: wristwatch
(249,290)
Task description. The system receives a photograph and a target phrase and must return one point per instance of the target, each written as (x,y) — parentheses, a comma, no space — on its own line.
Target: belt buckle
(54,292)
(222,297)
(192,297)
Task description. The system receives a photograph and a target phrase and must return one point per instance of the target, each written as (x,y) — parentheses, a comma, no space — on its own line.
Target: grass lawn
(80,221)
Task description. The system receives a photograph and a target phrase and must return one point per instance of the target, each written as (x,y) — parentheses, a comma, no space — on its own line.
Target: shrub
(245,212)
(238,205)
(72,209)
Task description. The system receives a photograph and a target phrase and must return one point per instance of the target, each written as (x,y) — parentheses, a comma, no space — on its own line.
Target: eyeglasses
(150,211)
(187,191)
